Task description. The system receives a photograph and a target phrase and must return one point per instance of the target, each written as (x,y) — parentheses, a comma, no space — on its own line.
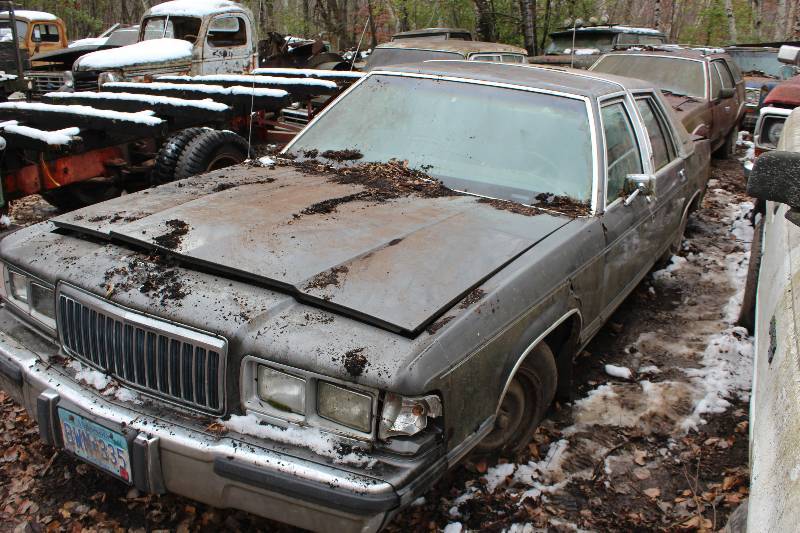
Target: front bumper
(181,457)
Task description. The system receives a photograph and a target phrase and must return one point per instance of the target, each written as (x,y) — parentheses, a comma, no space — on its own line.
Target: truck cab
(181,37)
(37,31)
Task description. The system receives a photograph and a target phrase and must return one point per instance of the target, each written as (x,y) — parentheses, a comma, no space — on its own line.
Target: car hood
(397,264)
(691,112)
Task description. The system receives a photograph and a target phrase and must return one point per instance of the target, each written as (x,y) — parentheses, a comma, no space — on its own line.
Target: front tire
(747,315)
(524,405)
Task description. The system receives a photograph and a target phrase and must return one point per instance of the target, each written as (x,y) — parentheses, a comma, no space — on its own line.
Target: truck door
(725,107)
(228,45)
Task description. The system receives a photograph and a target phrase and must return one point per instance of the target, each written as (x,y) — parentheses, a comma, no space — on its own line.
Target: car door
(228,45)
(626,224)
(726,110)
(669,165)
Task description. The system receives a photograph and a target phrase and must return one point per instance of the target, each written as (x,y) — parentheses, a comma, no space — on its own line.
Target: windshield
(503,143)
(5,30)
(683,77)
(562,43)
(382,57)
(171,28)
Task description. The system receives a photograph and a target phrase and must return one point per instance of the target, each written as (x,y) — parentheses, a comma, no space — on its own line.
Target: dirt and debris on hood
(564,205)
(152,275)
(355,362)
(471,298)
(439,324)
(328,278)
(221,187)
(343,155)
(174,237)
(327,207)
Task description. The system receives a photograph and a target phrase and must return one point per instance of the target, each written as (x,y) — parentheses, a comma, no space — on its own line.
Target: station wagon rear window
(491,141)
(676,75)
(382,57)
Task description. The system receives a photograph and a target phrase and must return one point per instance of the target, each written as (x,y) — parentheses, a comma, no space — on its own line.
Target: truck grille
(159,358)
(48,82)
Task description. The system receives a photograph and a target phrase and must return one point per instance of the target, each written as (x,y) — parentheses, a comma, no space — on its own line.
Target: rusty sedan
(320,339)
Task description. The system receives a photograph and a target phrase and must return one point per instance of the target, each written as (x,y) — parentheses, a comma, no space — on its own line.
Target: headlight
(108,77)
(407,416)
(344,406)
(69,80)
(282,391)
(774,130)
(43,303)
(18,286)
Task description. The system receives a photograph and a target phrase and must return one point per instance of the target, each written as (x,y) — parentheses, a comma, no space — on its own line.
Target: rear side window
(716,82)
(725,75)
(622,150)
(663,151)
(227,31)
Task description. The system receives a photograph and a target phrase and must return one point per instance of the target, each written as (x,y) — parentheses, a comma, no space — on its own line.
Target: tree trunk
(779,31)
(731,21)
(372,30)
(528,12)
(548,7)
(757,18)
(485,17)
(657,14)
(792,21)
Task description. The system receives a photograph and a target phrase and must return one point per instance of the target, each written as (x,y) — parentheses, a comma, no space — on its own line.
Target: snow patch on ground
(453,527)
(313,439)
(620,372)
(676,263)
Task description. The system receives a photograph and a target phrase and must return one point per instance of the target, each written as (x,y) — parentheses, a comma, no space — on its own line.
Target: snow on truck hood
(154,51)
(396,264)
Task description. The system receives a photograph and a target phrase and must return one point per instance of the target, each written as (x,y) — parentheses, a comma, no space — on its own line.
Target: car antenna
(575,24)
(360,42)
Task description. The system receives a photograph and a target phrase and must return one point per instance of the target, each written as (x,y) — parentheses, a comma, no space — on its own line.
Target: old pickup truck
(704,87)
(320,341)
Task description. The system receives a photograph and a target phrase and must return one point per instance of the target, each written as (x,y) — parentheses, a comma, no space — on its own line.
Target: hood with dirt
(691,111)
(396,257)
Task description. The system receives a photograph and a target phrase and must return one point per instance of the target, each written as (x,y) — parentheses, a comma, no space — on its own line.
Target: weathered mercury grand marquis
(320,341)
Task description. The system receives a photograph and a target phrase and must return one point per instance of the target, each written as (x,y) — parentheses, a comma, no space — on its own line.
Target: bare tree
(528,11)
(486,20)
(779,31)
(731,21)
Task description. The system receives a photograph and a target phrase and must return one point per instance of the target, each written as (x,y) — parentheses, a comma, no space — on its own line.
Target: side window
(716,82)
(724,73)
(492,58)
(735,70)
(660,140)
(227,31)
(622,149)
(46,33)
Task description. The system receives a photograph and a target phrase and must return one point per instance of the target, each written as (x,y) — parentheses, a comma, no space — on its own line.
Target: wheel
(78,195)
(747,315)
(675,246)
(527,399)
(211,150)
(728,148)
(167,159)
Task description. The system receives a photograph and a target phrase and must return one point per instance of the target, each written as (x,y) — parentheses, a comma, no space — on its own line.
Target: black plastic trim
(11,371)
(311,491)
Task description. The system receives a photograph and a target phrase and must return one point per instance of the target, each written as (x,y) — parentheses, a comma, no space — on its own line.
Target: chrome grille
(157,357)
(48,82)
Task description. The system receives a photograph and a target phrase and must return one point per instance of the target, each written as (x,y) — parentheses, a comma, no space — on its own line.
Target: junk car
(417,50)
(320,341)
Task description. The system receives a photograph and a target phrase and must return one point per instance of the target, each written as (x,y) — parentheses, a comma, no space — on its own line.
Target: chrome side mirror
(640,184)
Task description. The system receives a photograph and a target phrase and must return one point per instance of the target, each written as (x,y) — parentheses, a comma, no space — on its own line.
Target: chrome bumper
(222,471)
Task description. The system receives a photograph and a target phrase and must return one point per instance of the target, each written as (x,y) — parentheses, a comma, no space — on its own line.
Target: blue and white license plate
(95,444)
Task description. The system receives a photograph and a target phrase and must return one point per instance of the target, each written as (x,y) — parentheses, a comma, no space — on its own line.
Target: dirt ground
(649,444)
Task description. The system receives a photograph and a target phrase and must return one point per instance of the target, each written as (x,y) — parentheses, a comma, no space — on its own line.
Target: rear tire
(167,159)
(747,316)
(529,395)
(211,150)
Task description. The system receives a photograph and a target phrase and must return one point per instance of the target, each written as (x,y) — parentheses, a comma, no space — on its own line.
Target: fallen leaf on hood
(654,492)
(640,457)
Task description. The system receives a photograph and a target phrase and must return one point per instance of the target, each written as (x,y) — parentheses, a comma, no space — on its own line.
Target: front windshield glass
(6,33)
(503,143)
(171,28)
(684,77)
(382,57)
(562,43)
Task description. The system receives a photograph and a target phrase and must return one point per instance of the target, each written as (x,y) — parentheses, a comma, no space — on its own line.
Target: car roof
(428,31)
(564,80)
(678,52)
(785,93)
(454,45)
(611,29)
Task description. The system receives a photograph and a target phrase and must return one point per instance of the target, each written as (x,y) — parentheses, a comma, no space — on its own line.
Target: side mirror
(701,131)
(727,93)
(776,178)
(639,184)
(789,55)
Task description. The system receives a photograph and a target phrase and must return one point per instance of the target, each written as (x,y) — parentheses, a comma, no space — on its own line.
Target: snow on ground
(620,372)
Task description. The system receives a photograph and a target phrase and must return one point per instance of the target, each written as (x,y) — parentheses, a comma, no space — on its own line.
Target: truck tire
(78,195)
(167,159)
(728,148)
(529,395)
(211,150)
(747,315)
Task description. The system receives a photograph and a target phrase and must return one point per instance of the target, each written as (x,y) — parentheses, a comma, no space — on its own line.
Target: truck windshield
(673,74)
(503,143)
(560,43)
(6,34)
(186,28)
(382,57)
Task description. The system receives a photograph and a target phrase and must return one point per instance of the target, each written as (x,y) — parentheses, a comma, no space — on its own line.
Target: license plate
(95,444)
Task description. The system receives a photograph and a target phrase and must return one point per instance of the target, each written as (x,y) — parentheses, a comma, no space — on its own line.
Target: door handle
(682,173)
